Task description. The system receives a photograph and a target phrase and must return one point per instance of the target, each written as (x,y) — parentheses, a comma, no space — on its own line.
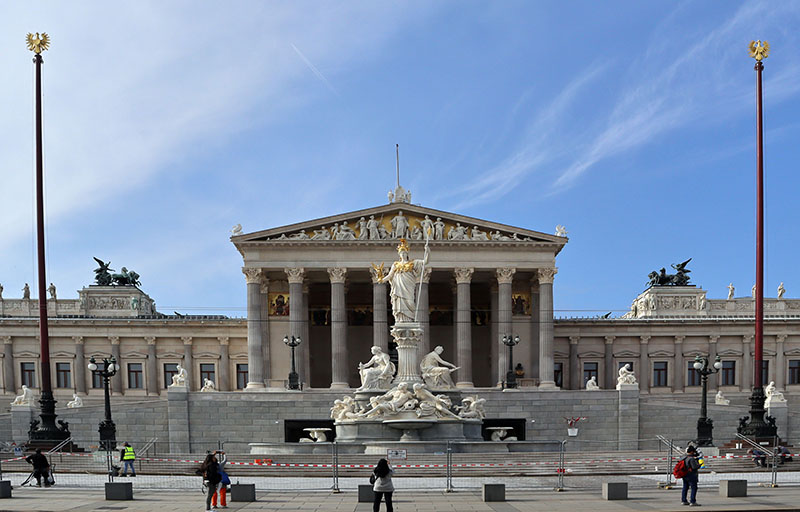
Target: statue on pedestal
(403,278)
(433,405)
(720,399)
(781,290)
(731,289)
(772,394)
(626,375)
(591,384)
(376,373)
(391,403)
(471,407)
(436,371)
(26,292)
(26,398)
(208,386)
(75,402)
(179,379)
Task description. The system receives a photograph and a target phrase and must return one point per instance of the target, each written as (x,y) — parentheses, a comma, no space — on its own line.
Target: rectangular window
(97,380)
(170,370)
(28,372)
(692,377)
(764,373)
(794,371)
(558,373)
(659,374)
(241,376)
(589,371)
(135,376)
(63,375)
(620,364)
(728,373)
(207,372)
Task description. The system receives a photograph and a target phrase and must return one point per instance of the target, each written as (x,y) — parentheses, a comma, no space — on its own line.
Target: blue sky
(631,123)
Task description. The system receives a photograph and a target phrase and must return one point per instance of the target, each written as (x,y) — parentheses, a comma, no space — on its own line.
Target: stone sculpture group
(626,377)
(26,398)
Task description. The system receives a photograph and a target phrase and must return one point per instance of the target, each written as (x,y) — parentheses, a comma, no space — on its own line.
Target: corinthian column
(255,358)
(424,314)
(188,361)
(116,380)
(295,277)
(80,365)
(546,348)
(152,367)
(380,321)
(780,362)
(265,348)
(494,336)
(678,366)
(224,379)
(505,276)
(464,327)
(574,364)
(338,329)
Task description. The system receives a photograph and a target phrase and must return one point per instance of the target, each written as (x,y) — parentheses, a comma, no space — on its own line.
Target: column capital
(6,340)
(747,338)
(713,338)
(679,339)
(546,275)
(295,275)
(264,285)
(151,340)
(223,340)
(78,340)
(463,275)
(114,340)
(337,274)
(252,275)
(780,338)
(505,275)
(377,273)
(426,275)
(573,340)
(610,339)
(644,339)
(187,340)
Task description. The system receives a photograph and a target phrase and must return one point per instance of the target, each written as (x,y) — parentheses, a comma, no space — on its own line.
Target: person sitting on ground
(759,457)
(41,468)
(785,454)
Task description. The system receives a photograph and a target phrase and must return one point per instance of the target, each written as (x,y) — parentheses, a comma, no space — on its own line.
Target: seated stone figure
(26,398)
(208,386)
(179,379)
(344,409)
(773,395)
(720,399)
(75,402)
(591,384)
(626,375)
(377,373)
(436,371)
(471,407)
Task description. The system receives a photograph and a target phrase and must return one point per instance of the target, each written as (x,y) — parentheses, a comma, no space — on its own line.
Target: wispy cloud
(316,71)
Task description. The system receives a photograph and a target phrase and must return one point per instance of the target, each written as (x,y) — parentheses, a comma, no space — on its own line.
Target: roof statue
(680,278)
(561,230)
(104,277)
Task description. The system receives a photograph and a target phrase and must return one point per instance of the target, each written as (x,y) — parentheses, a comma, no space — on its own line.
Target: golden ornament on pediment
(37,43)
(759,50)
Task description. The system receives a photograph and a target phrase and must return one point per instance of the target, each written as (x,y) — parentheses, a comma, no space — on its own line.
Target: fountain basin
(410,428)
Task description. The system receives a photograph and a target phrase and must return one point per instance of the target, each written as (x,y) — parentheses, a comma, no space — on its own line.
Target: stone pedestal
(615,490)
(733,488)
(5,488)
(780,411)
(119,491)
(407,335)
(178,414)
(494,492)
(669,301)
(365,493)
(243,492)
(628,417)
(21,416)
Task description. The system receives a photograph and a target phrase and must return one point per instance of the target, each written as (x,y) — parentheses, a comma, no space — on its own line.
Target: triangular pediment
(375,225)
(729,352)
(591,354)
(626,353)
(661,353)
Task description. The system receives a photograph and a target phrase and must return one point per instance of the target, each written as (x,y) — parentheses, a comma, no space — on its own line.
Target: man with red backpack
(688,468)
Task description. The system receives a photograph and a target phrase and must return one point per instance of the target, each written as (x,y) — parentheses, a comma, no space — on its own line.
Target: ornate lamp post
(294,378)
(108,431)
(705,425)
(511,378)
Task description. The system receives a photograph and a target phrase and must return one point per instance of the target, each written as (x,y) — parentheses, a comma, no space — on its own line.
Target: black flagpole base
(108,435)
(705,431)
(760,426)
(44,431)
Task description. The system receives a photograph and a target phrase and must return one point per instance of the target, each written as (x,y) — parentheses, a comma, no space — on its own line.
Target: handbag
(372,478)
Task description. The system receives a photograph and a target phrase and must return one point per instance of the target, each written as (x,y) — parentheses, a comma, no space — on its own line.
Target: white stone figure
(26,292)
(344,409)
(299,236)
(391,403)
(372,228)
(753,291)
(52,291)
(390,195)
(730,291)
(384,235)
(500,433)
(363,231)
(720,399)
(345,232)
(496,235)
(432,405)
(179,379)
(436,371)
(457,232)
(591,384)
(438,229)
(561,230)
(26,398)
(781,290)
(236,230)
(472,407)
(208,386)
(376,373)
(626,375)
(479,235)
(321,234)
(75,402)
(400,226)
(335,231)
(416,233)
(403,278)
(773,395)
(427,227)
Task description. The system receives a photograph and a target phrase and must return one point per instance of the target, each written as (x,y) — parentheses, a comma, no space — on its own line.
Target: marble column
(609,373)
(574,364)
(152,367)
(780,362)
(296,277)
(116,380)
(535,327)
(380,316)
(424,314)
(713,379)
(746,380)
(305,349)
(224,380)
(505,277)
(546,345)
(8,366)
(265,342)
(464,326)
(188,362)
(255,342)
(338,329)
(644,365)
(80,366)
(678,365)
(495,343)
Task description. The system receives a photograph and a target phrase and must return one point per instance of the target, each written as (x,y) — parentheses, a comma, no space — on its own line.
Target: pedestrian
(759,457)
(225,481)
(210,471)
(690,478)
(382,485)
(127,456)
(41,468)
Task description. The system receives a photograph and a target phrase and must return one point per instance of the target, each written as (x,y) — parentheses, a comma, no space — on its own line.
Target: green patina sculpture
(104,277)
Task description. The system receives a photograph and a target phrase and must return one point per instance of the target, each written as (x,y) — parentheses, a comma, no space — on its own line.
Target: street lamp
(511,378)
(294,378)
(108,431)
(705,425)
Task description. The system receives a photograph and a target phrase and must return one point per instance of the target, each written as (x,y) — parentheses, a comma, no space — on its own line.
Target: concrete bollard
(243,492)
(119,491)
(615,490)
(5,488)
(494,492)
(365,494)
(733,488)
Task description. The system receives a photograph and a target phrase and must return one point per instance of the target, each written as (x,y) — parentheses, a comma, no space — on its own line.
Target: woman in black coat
(210,471)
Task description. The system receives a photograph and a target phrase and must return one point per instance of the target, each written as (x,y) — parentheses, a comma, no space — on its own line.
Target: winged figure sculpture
(37,43)
(759,50)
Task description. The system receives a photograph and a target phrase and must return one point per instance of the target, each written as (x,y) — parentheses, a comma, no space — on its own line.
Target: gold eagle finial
(759,50)
(38,44)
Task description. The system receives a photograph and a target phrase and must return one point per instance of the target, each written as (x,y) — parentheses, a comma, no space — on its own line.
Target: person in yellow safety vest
(128,456)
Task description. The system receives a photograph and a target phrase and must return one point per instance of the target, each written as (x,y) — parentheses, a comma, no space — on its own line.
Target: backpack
(681,469)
